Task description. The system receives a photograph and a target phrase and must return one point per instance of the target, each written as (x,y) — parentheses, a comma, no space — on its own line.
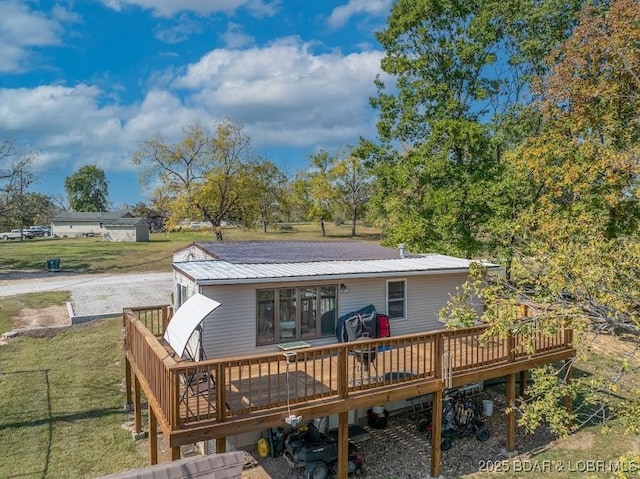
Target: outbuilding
(81,223)
(126,230)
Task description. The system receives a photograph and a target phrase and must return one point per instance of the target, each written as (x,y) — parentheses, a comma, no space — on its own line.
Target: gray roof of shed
(269,252)
(124,222)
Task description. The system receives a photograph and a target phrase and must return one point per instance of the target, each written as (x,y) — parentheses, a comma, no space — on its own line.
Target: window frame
(297,298)
(404,299)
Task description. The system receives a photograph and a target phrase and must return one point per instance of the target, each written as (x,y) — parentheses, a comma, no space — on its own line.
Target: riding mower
(460,418)
(317,453)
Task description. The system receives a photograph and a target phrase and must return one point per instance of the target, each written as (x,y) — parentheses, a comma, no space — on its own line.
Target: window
(397,299)
(183,294)
(266,316)
(291,314)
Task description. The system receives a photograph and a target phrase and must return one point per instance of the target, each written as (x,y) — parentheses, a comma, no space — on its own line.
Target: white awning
(186,320)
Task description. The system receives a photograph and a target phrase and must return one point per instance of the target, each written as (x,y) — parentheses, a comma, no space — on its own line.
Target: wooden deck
(196,401)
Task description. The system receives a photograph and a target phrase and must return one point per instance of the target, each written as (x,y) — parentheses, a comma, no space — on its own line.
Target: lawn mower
(317,453)
(460,418)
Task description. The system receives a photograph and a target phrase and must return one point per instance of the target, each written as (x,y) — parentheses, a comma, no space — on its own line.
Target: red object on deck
(384,331)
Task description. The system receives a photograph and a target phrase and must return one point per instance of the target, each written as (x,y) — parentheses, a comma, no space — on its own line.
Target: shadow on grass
(49,421)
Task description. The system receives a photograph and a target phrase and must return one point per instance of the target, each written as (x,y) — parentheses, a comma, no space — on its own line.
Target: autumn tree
(579,248)
(268,192)
(203,176)
(87,189)
(315,188)
(352,180)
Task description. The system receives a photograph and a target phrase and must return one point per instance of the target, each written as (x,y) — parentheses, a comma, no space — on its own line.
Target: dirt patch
(582,440)
(51,316)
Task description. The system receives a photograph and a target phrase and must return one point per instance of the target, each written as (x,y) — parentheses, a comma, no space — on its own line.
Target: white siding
(231,329)
(181,280)
(66,228)
(120,234)
(192,253)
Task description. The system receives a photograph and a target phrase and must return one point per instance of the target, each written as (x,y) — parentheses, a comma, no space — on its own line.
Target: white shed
(126,230)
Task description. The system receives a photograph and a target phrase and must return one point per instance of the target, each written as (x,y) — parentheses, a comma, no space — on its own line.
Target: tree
(152,214)
(37,209)
(438,159)
(204,176)
(15,177)
(578,231)
(317,189)
(352,181)
(269,187)
(461,72)
(88,189)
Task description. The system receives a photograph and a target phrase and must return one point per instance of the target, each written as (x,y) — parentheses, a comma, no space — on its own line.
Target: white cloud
(341,15)
(284,93)
(235,37)
(168,8)
(62,122)
(181,31)
(22,29)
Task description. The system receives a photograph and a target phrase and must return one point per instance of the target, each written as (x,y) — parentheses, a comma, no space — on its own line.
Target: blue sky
(81,82)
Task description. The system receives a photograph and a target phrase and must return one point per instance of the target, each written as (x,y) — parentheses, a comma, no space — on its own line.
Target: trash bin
(53,264)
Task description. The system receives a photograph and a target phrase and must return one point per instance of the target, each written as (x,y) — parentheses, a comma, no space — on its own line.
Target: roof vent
(401,248)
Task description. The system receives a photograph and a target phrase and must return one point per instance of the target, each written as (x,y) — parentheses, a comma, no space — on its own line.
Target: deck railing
(217,390)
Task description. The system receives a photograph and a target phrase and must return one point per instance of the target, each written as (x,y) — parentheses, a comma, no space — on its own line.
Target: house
(266,313)
(274,293)
(75,224)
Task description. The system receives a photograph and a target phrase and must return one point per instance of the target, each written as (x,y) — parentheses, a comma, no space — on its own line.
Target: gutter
(319,277)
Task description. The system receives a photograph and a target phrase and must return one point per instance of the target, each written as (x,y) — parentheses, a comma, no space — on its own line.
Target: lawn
(11,306)
(92,255)
(62,405)
(62,416)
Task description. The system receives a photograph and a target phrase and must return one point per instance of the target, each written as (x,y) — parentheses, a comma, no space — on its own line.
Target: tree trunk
(218,231)
(353,222)
(264,225)
(322,226)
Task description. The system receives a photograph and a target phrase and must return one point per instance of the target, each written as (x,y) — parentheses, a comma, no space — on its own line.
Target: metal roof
(246,252)
(91,216)
(224,272)
(124,222)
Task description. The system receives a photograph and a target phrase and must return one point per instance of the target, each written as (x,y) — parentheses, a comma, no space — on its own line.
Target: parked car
(39,231)
(16,234)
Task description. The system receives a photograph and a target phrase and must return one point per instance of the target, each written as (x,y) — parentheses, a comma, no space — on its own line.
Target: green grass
(11,306)
(92,255)
(593,452)
(62,405)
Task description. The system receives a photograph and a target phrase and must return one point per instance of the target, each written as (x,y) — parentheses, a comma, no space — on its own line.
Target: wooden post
(127,378)
(153,437)
(343,445)
(511,417)
(221,401)
(221,445)
(511,347)
(175,453)
(343,373)
(524,377)
(436,433)
(568,402)
(136,405)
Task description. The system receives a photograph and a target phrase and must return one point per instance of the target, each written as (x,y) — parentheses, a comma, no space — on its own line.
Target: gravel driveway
(94,294)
